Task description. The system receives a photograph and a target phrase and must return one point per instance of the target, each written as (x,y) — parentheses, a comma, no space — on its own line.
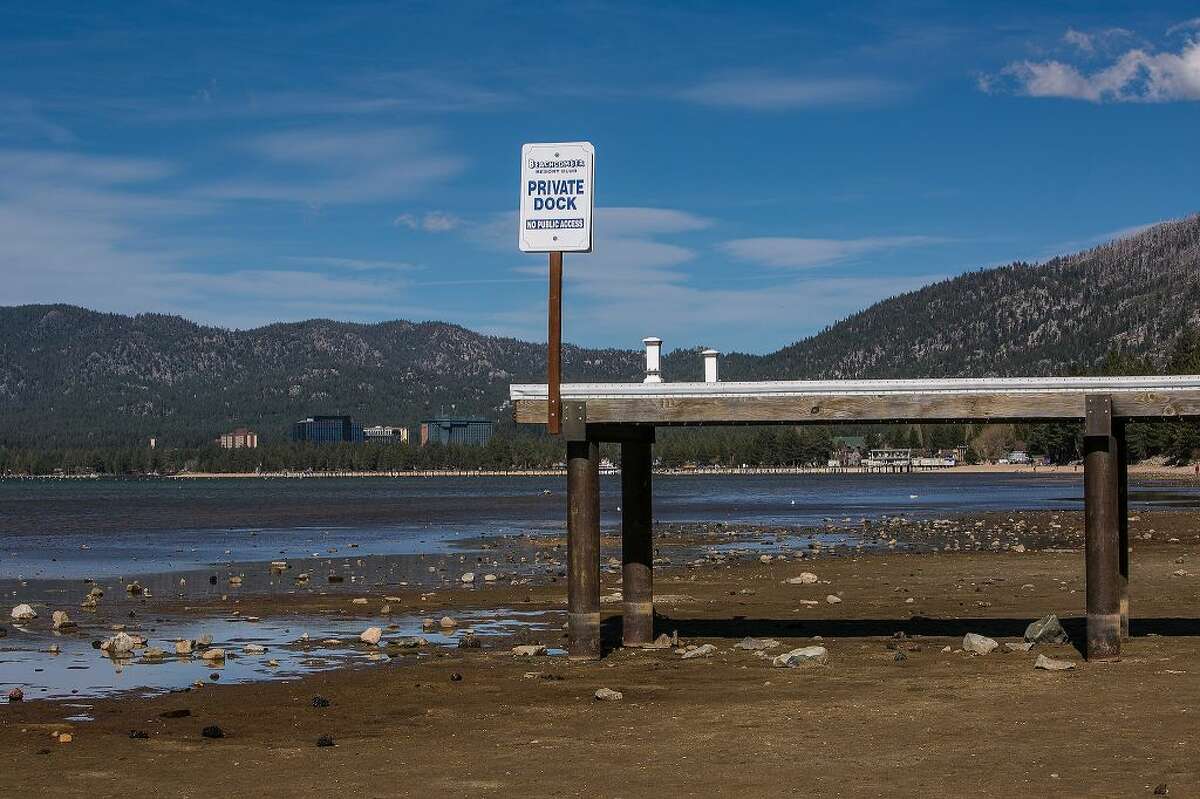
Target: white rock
(802,656)
(608,695)
(700,652)
(469,577)
(23,612)
(448,623)
(804,578)
(756,644)
(833,599)
(978,644)
(183,647)
(371,635)
(213,655)
(1050,664)
(489,578)
(254,649)
(61,620)
(120,644)
(529,650)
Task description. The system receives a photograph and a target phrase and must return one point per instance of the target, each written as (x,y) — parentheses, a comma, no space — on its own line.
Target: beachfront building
(889,458)
(464,432)
(238,438)
(327,430)
(385,434)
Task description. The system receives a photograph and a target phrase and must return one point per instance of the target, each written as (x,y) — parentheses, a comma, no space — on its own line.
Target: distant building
(465,432)
(1017,456)
(239,438)
(327,430)
(889,457)
(385,434)
(848,450)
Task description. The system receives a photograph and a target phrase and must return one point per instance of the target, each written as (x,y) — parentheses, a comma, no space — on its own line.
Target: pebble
(1050,664)
(254,649)
(469,577)
(833,599)
(212,731)
(978,644)
(756,644)
(361,600)
(410,642)
(371,635)
(804,655)
(489,578)
(325,740)
(23,612)
(320,701)
(608,695)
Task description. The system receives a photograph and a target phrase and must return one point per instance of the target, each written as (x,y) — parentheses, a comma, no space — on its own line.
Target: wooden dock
(628,413)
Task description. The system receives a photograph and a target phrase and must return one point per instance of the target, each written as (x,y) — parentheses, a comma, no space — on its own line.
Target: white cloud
(1137,75)
(323,166)
(768,92)
(430,221)
(784,252)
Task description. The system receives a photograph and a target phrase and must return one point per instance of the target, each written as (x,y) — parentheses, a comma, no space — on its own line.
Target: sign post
(557,201)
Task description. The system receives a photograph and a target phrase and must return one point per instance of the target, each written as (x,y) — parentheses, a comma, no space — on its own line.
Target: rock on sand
(1046,630)
(978,644)
(1050,664)
(608,695)
(816,655)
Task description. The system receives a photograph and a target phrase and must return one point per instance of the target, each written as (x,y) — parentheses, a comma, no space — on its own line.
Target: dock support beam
(637,544)
(1102,530)
(1119,429)
(583,550)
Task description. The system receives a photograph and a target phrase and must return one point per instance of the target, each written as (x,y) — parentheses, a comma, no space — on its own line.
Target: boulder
(23,612)
(183,647)
(214,655)
(62,621)
(833,599)
(254,649)
(371,635)
(469,577)
(1046,630)
(805,655)
(120,645)
(978,644)
(447,623)
(529,650)
(608,695)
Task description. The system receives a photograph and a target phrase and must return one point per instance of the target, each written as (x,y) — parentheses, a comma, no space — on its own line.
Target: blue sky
(763,169)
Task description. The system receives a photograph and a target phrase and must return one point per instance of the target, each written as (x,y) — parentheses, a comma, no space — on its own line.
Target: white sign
(556,197)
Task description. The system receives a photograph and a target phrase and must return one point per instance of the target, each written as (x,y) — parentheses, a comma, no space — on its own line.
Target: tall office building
(327,430)
(465,432)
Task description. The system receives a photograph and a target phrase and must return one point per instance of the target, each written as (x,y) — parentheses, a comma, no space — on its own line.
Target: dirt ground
(935,723)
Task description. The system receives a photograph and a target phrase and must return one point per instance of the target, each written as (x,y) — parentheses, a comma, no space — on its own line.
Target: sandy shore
(482,722)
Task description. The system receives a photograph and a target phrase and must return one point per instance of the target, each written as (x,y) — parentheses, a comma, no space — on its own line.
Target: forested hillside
(74,377)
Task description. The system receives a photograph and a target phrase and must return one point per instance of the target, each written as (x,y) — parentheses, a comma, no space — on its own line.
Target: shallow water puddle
(79,670)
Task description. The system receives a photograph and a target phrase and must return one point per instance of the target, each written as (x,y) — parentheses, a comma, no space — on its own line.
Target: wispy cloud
(430,221)
(1137,75)
(323,166)
(773,92)
(352,264)
(785,252)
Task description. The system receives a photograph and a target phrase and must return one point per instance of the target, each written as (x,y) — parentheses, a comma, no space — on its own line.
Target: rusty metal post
(583,549)
(1102,530)
(554,348)
(1119,430)
(637,544)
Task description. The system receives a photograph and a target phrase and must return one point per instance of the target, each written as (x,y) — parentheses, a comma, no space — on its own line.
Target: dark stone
(336,578)
(900,657)
(469,642)
(325,740)
(455,677)
(1161,789)
(139,735)
(214,676)
(320,701)
(181,713)
(1047,630)
(212,731)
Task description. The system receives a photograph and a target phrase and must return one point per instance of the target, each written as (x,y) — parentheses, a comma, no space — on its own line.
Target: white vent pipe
(653,357)
(710,365)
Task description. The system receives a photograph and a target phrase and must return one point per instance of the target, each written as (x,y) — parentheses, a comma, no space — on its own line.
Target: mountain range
(75,377)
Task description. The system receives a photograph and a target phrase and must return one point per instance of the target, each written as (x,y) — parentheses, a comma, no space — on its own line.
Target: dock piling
(1102,530)
(637,544)
(583,550)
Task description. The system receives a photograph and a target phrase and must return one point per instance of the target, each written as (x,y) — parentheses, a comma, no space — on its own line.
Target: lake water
(95,528)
